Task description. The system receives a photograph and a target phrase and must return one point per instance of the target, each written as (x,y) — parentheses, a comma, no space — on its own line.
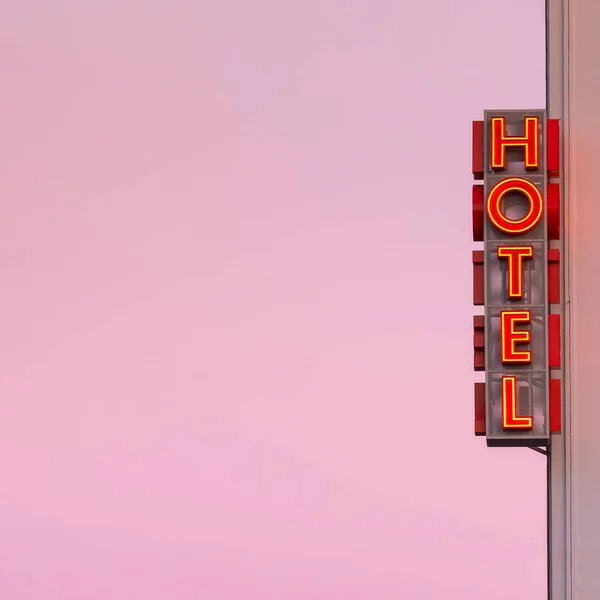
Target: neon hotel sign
(516,277)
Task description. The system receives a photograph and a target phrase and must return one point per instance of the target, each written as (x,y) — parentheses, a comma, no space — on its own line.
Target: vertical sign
(515,269)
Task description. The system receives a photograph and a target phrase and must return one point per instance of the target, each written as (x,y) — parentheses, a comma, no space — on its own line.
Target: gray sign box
(532,379)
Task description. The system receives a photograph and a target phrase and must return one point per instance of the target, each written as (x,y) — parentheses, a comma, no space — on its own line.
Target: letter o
(527,189)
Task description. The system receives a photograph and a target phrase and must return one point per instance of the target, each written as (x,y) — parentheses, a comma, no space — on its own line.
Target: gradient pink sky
(235,238)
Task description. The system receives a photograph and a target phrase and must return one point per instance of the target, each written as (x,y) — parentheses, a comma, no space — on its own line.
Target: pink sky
(236,303)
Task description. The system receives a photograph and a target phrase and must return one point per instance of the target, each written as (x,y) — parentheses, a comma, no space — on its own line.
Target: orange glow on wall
(515,256)
(500,142)
(510,418)
(510,336)
(525,188)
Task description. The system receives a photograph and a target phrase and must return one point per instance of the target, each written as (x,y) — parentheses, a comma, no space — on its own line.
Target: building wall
(574,95)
